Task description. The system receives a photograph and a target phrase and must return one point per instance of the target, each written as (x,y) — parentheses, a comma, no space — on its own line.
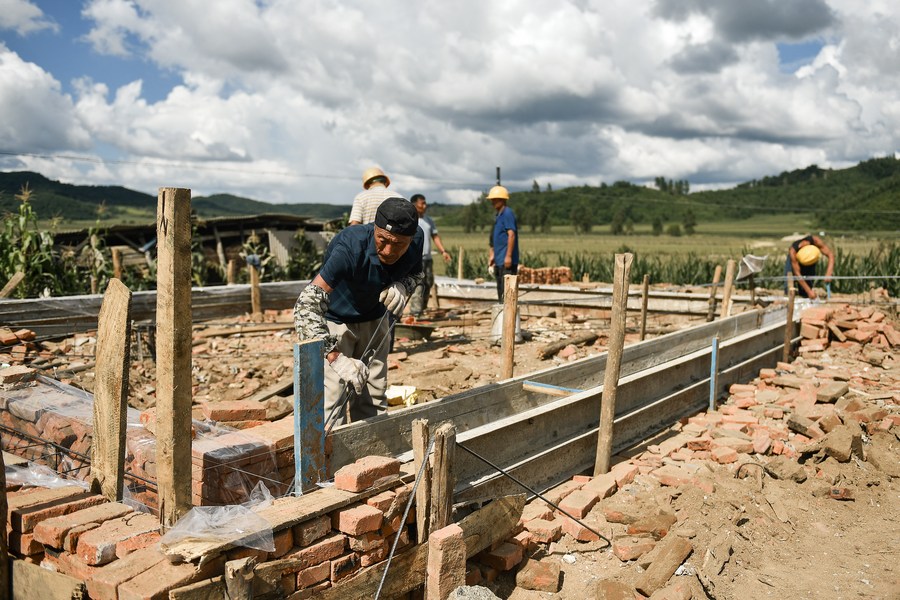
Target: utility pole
(498,176)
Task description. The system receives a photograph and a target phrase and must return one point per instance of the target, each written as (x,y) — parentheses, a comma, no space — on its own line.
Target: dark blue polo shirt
(505,221)
(352,268)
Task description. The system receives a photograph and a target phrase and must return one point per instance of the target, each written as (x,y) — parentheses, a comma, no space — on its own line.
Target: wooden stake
(13,282)
(712,293)
(111,392)
(94,285)
(220,248)
(420,438)
(789,322)
(510,306)
(726,293)
(255,304)
(621,279)
(173,354)
(443,480)
(309,415)
(231,272)
(5,583)
(645,292)
(751,281)
(239,578)
(459,263)
(117,262)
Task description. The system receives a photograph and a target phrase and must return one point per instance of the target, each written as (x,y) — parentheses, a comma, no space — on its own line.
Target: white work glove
(394,298)
(352,371)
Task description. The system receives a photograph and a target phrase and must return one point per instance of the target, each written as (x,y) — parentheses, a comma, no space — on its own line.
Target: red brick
(98,546)
(235,410)
(539,576)
(38,500)
(70,543)
(367,559)
(544,531)
(503,558)
(605,485)
(578,531)
(284,541)
(312,575)
(365,472)
(16,373)
(155,582)
(52,531)
(624,473)
(382,501)
(24,544)
(142,540)
(344,566)
(326,549)
(580,502)
(724,455)
(630,548)
(446,564)
(106,580)
(657,526)
(357,520)
(761,444)
(309,531)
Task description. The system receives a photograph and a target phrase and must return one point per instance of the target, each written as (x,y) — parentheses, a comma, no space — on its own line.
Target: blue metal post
(713,374)
(309,415)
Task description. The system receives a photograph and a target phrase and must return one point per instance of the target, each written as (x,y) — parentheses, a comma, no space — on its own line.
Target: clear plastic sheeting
(35,475)
(750,265)
(238,524)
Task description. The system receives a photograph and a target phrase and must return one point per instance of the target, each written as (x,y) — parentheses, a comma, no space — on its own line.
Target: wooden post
(173,354)
(12,284)
(5,582)
(231,272)
(510,307)
(420,438)
(621,279)
(712,293)
(645,293)
(309,415)
(443,480)
(94,285)
(255,305)
(117,262)
(789,323)
(239,578)
(111,392)
(459,263)
(751,281)
(726,292)
(220,248)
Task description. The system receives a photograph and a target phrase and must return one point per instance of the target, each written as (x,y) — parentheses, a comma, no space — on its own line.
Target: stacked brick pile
(821,326)
(545,275)
(18,343)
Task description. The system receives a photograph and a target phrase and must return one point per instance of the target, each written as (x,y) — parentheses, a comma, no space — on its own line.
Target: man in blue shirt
(367,271)
(504,254)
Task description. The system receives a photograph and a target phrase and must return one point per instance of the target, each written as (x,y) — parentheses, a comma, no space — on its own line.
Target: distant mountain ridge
(68,202)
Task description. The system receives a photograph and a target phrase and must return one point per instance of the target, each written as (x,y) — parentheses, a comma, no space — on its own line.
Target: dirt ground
(789,539)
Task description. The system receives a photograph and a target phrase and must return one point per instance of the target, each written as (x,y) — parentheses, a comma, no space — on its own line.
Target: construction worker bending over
(803,256)
(367,271)
(375,191)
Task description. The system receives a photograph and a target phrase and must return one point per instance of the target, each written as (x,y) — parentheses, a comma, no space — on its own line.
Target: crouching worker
(802,258)
(368,270)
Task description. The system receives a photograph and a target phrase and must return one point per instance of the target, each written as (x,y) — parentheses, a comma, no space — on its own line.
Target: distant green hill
(52,199)
(859,198)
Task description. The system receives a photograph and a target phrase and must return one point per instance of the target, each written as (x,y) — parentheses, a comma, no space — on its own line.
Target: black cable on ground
(538,494)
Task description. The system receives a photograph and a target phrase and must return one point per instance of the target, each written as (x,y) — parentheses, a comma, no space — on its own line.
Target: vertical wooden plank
(420,438)
(789,321)
(443,480)
(5,583)
(712,293)
(117,262)
(751,281)
(255,303)
(220,248)
(231,272)
(459,263)
(173,353)
(726,292)
(309,415)
(111,391)
(621,280)
(645,292)
(714,374)
(510,307)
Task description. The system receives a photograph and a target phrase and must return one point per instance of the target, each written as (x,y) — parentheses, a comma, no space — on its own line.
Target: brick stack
(19,343)
(544,275)
(821,326)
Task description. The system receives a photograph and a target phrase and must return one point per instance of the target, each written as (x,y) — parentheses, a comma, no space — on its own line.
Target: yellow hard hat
(497,192)
(372,173)
(808,255)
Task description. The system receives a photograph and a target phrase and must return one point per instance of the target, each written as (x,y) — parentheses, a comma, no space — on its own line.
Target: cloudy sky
(289,100)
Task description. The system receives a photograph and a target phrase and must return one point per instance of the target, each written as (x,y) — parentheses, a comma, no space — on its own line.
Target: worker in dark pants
(504,252)
(802,258)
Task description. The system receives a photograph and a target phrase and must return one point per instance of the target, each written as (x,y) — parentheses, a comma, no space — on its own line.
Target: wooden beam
(255,298)
(4,541)
(443,480)
(111,392)
(309,415)
(621,279)
(645,292)
(729,286)
(231,272)
(116,262)
(789,319)
(12,284)
(510,306)
(459,263)
(711,314)
(481,529)
(173,354)
(551,349)
(420,439)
